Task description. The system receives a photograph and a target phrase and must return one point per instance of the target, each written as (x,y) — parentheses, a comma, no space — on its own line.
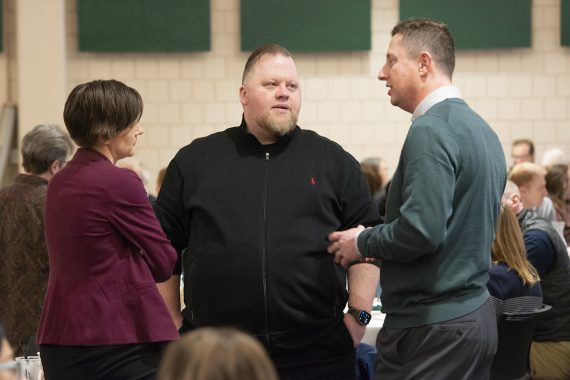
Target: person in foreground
(216,354)
(253,205)
(23,253)
(441,214)
(514,283)
(103,317)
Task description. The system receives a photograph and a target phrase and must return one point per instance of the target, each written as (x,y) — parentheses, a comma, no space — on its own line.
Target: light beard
(277,127)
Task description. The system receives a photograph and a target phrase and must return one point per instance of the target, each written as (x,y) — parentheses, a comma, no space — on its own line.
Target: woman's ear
(102,140)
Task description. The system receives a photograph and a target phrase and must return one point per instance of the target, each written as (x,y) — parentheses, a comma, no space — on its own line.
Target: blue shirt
(509,294)
(539,251)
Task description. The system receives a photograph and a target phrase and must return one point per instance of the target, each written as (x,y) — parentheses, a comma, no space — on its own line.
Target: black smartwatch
(362,316)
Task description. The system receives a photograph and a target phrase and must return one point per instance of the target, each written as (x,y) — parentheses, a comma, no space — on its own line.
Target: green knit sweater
(442,209)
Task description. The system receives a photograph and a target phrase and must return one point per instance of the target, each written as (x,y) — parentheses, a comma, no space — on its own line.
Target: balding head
(512,197)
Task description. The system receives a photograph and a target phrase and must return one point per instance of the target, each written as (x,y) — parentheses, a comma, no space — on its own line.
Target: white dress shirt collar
(435,97)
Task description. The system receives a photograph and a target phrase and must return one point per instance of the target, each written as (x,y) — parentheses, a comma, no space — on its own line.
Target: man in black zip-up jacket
(252,206)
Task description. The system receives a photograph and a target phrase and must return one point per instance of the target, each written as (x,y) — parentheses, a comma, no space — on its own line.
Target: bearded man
(251,208)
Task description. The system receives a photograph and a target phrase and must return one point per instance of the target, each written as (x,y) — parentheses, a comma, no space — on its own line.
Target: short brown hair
(422,34)
(527,142)
(216,354)
(260,52)
(43,145)
(371,169)
(101,108)
(525,172)
(556,177)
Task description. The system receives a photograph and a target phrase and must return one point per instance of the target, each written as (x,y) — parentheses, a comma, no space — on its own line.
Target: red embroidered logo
(313,181)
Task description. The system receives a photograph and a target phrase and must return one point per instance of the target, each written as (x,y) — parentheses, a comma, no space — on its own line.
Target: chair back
(515,331)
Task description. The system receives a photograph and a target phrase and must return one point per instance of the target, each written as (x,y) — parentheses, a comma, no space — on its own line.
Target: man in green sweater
(442,208)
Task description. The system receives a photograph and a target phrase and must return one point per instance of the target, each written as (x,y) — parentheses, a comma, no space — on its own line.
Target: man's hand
(343,246)
(355,329)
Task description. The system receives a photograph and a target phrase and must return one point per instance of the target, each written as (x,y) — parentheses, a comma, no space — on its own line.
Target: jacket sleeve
(131,214)
(357,205)
(171,213)
(428,186)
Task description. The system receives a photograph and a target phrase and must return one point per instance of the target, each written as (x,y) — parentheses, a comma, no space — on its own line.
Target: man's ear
(424,62)
(243,95)
(516,199)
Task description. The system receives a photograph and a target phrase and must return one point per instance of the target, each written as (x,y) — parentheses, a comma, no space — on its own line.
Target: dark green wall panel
(306,25)
(144,25)
(1,26)
(565,22)
(478,24)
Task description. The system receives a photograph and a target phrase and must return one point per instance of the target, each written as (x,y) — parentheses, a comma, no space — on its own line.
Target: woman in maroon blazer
(103,317)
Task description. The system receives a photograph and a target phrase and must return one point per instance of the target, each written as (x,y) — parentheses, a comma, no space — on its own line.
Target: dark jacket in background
(553,325)
(23,258)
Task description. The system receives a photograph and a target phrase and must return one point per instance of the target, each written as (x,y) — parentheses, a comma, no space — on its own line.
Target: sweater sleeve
(428,175)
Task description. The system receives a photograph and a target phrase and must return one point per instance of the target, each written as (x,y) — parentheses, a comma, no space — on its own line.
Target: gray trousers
(461,348)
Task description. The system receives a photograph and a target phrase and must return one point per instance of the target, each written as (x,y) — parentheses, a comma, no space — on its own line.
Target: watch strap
(362,316)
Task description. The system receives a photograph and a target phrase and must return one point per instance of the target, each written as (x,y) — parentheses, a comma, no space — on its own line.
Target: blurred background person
(530,179)
(557,186)
(23,253)
(522,151)
(138,167)
(217,354)
(103,315)
(376,172)
(554,156)
(160,179)
(513,281)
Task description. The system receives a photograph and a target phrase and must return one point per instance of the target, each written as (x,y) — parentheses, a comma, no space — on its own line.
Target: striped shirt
(508,293)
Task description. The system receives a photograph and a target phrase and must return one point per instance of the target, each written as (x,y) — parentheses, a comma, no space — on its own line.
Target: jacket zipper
(264,250)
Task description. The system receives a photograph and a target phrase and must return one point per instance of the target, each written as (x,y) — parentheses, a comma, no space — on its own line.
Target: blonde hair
(508,247)
(216,354)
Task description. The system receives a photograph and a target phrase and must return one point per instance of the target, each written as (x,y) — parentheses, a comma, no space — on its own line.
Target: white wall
(521,92)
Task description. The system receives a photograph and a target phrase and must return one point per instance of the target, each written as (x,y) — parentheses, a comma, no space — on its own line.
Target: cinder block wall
(521,92)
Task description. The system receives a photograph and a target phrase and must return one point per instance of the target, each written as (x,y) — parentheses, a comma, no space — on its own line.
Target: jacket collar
(30,179)
(86,154)
(250,142)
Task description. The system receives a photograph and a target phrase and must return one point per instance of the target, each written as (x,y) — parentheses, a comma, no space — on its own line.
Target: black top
(255,219)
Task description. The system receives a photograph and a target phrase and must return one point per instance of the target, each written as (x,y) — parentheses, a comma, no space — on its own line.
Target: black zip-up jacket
(254,220)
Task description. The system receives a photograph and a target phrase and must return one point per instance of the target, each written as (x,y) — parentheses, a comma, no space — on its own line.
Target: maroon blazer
(106,251)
